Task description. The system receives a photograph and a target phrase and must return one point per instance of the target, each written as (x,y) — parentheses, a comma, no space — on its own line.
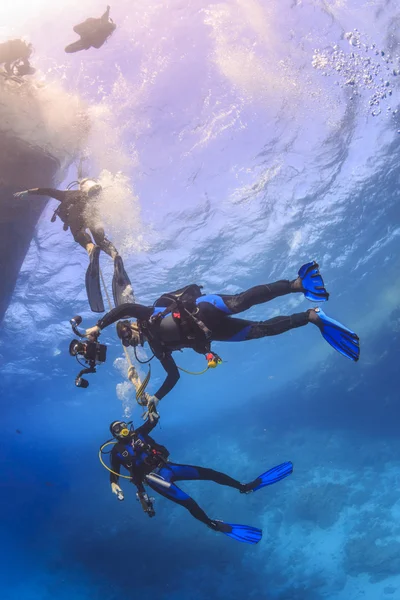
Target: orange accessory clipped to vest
(212,360)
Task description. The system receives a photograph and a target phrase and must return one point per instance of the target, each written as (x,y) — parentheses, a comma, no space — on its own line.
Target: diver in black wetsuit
(194,320)
(93,33)
(77,210)
(147,462)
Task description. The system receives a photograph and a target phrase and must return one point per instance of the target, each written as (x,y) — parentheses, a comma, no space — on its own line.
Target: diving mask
(128,334)
(121,430)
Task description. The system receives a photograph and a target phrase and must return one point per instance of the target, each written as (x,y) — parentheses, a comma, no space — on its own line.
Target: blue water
(236,144)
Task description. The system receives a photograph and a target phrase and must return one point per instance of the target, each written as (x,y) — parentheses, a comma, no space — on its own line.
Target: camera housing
(90,351)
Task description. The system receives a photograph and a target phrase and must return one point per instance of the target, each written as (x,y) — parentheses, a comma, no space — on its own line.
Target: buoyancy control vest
(179,310)
(142,452)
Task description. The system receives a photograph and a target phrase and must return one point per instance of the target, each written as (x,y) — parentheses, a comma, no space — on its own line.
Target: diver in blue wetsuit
(147,462)
(189,319)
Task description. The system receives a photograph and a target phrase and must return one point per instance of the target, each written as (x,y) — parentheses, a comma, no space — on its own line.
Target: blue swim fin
(268,478)
(240,533)
(313,284)
(338,336)
(273,475)
(92,281)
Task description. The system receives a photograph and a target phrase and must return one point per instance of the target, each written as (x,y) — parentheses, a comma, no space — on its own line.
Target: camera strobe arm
(75,322)
(83,383)
(90,369)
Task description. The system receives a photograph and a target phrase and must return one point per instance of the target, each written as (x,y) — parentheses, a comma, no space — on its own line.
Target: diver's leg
(309,282)
(190,473)
(258,294)
(80,235)
(179,497)
(97,41)
(92,277)
(121,284)
(239,330)
(241,533)
(100,239)
(77,46)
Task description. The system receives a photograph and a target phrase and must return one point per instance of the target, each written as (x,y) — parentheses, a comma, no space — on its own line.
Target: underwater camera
(92,353)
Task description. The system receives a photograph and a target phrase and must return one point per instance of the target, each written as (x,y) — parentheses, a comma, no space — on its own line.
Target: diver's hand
(117,491)
(151,412)
(20,195)
(132,373)
(93,332)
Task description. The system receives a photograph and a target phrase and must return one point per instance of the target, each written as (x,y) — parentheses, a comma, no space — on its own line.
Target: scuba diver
(15,55)
(78,212)
(189,319)
(147,462)
(93,33)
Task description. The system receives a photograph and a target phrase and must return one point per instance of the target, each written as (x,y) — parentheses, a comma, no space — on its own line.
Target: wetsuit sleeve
(50,192)
(172,376)
(147,427)
(115,466)
(125,311)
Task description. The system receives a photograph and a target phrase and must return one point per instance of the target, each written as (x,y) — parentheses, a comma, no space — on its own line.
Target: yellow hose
(192,372)
(104,464)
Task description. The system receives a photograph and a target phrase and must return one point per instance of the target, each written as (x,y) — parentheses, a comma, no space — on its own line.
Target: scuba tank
(91,187)
(182,305)
(88,187)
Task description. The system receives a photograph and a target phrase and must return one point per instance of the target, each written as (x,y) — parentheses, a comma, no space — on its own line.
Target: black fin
(92,281)
(121,284)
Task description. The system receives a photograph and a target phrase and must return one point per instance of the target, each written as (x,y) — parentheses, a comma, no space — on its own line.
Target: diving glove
(151,412)
(117,491)
(93,332)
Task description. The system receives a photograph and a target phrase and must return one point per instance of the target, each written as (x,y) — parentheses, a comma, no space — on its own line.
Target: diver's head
(121,430)
(128,333)
(90,187)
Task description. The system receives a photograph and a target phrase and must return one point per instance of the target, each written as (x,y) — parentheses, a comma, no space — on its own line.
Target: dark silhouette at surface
(14,55)
(93,33)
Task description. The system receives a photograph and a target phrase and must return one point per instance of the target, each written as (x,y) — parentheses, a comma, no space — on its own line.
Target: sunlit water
(235,141)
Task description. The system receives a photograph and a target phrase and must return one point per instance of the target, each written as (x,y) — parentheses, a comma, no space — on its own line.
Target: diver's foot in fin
(241,533)
(92,281)
(310,282)
(337,335)
(121,285)
(268,478)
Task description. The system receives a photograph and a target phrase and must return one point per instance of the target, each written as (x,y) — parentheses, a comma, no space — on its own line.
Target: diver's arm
(50,192)
(172,376)
(148,425)
(116,467)
(125,311)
